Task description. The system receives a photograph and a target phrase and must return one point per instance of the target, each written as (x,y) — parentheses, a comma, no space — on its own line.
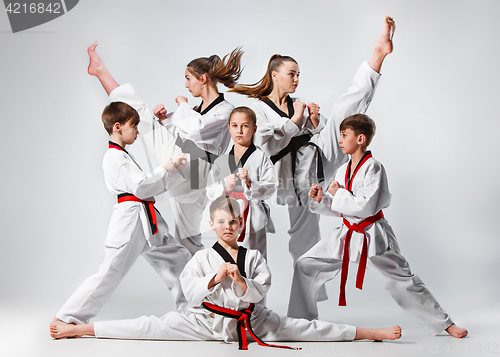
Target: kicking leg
(97,68)
(383,47)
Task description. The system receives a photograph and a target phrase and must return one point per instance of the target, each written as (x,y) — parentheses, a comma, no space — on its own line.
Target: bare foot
(389,333)
(97,68)
(95,65)
(383,46)
(56,325)
(384,42)
(63,330)
(457,332)
(378,334)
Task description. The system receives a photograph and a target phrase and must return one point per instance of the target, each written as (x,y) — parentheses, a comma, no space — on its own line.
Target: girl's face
(286,79)
(241,129)
(193,84)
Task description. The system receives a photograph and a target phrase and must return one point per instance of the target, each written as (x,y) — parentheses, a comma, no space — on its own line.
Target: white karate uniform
(274,132)
(130,235)
(370,194)
(197,324)
(264,183)
(208,130)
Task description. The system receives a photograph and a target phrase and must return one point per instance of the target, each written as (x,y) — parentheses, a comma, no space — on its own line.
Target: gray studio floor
(29,337)
(24,327)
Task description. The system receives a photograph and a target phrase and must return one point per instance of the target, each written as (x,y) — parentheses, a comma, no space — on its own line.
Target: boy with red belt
(136,227)
(358,194)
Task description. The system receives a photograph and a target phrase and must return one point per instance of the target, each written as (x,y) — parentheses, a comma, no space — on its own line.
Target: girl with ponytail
(301,143)
(200,132)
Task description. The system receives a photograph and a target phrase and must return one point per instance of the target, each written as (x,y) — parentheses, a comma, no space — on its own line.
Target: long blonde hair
(226,71)
(264,87)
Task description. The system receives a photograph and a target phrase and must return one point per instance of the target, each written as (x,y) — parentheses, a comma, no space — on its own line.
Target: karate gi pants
(267,325)
(257,241)
(304,233)
(187,217)
(167,259)
(391,269)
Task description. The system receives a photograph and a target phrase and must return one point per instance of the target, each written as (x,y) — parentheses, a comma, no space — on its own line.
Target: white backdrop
(437,133)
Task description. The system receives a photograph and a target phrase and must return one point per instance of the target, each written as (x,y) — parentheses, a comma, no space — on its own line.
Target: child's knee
(306,266)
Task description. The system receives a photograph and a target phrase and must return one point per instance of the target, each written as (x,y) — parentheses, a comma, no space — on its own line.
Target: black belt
(189,147)
(293,146)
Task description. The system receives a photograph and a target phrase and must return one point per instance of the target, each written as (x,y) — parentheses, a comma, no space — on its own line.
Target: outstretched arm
(143,185)
(208,131)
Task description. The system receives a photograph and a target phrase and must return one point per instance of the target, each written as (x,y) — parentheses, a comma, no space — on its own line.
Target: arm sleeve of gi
(323,207)
(264,184)
(194,281)
(273,135)
(215,184)
(258,284)
(208,131)
(145,186)
(321,125)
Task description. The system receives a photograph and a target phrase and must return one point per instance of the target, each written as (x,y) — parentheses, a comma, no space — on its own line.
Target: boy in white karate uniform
(225,279)
(358,194)
(135,228)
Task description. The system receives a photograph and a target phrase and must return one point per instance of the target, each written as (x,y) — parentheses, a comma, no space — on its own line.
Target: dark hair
(264,87)
(225,203)
(244,110)
(119,112)
(360,124)
(226,71)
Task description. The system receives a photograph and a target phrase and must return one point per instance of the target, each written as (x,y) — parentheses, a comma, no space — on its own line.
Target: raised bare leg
(457,332)
(97,68)
(378,334)
(58,331)
(384,44)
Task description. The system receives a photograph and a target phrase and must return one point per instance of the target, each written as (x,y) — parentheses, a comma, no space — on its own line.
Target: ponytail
(226,71)
(264,87)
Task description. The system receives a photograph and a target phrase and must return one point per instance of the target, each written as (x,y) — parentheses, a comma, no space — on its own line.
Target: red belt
(241,196)
(243,318)
(148,205)
(360,228)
